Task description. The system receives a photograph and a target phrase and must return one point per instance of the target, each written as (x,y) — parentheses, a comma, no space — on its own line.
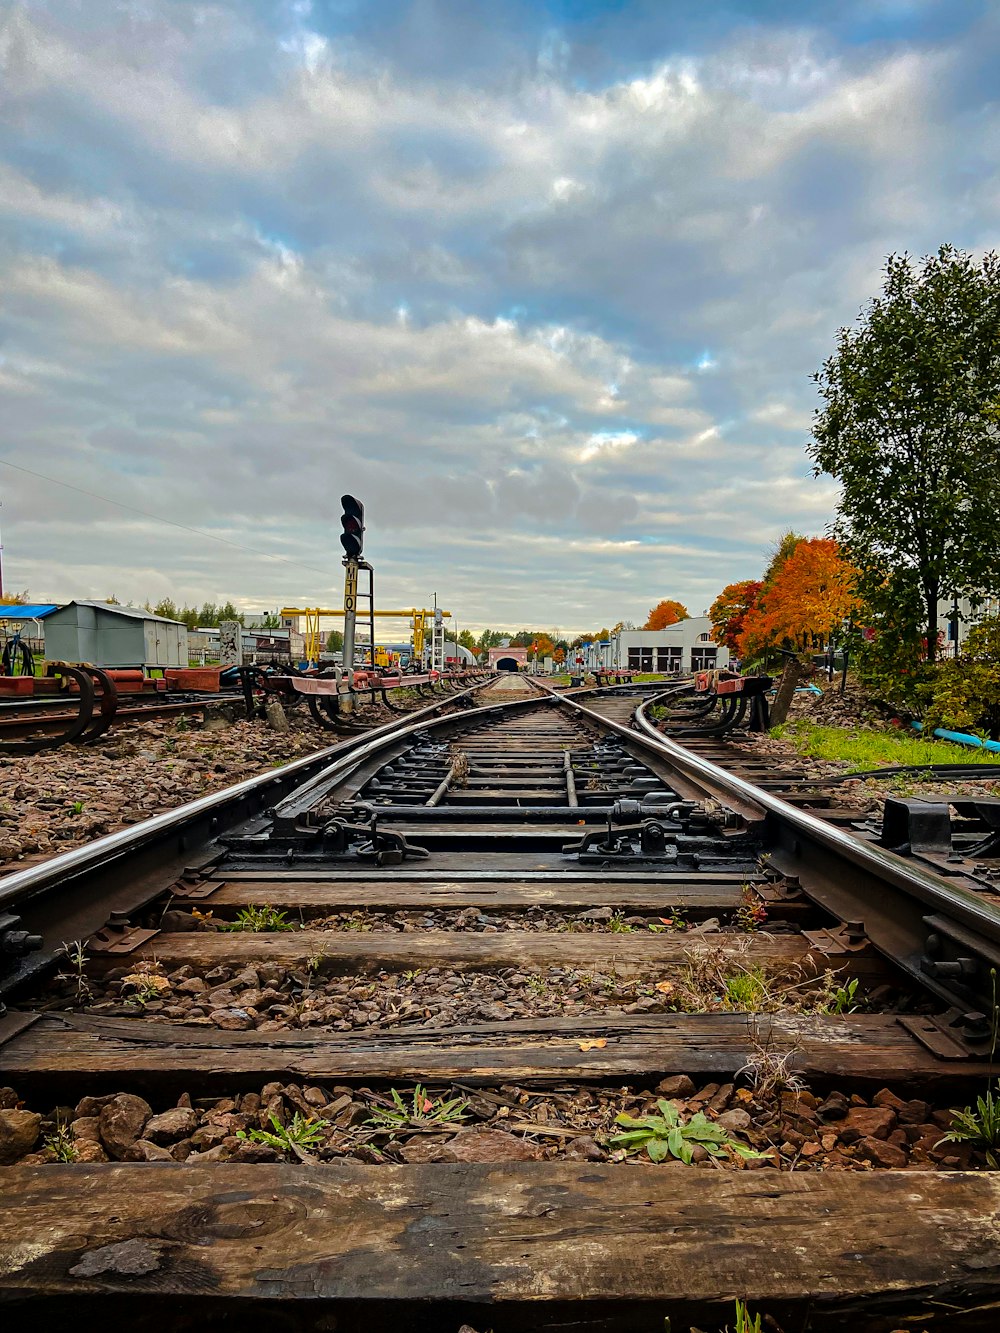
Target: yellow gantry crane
(312,616)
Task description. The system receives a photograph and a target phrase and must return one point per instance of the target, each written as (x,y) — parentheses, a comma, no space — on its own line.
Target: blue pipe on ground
(960,738)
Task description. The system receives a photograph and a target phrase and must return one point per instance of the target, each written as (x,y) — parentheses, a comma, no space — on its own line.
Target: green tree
(189,615)
(229,612)
(270,620)
(208,616)
(334,641)
(467,640)
(167,608)
(783,549)
(908,426)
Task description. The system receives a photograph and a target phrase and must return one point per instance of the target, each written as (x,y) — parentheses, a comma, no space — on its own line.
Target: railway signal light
(352,521)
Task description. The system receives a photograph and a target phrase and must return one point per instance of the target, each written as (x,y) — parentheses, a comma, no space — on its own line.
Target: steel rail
(942,934)
(77,892)
(924,922)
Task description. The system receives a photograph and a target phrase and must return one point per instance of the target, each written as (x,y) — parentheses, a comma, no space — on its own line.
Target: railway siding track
(515,907)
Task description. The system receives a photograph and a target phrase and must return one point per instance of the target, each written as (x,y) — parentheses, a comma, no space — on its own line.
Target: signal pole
(350,610)
(352,522)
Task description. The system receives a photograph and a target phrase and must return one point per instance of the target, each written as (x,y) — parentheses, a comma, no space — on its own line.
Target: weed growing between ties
(767,1070)
(59,1142)
(420,1112)
(78,960)
(298,1136)
(979,1126)
(258,920)
(666,1135)
(144,985)
(744,1322)
(716,980)
(751,913)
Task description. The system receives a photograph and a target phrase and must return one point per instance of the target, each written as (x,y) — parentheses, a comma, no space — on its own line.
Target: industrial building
(676,650)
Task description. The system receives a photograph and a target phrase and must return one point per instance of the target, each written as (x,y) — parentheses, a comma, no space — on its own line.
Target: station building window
(703,659)
(668,660)
(640,659)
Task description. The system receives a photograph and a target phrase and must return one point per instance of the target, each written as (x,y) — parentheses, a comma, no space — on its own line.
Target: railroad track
(45,719)
(470,942)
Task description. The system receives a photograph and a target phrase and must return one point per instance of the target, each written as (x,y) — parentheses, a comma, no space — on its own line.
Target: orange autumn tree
(666,613)
(811,595)
(730,609)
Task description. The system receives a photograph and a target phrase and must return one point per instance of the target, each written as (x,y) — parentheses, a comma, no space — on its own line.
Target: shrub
(963,694)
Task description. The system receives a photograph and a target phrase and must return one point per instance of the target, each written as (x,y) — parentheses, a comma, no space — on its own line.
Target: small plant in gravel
(746,990)
(300,1133)
(768,1071)
(78,960)
(979,1126)
(675,921)
(421,1112)
(77,808)
(666,1135)
(357,921)
(59,1142)
(751,913)
(143,987)
(618,925)
(258,920)
(745,1322)
(842,1000)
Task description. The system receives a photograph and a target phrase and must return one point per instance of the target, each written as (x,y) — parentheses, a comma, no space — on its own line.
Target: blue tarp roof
(37,612)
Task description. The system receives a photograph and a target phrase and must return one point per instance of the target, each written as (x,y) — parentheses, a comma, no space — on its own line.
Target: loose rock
(121,1123)
(18,1134)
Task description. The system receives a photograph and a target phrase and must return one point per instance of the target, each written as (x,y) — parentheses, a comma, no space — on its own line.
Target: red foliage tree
(729,611)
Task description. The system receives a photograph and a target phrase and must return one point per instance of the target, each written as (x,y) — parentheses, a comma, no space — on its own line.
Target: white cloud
(557,329)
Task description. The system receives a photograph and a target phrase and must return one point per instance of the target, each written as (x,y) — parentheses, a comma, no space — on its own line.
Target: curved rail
(938,929)
(926,923)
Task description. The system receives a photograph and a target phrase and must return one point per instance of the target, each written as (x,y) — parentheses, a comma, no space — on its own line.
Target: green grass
(863,748)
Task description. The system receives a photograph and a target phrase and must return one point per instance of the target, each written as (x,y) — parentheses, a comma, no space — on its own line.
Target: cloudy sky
(543,283)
